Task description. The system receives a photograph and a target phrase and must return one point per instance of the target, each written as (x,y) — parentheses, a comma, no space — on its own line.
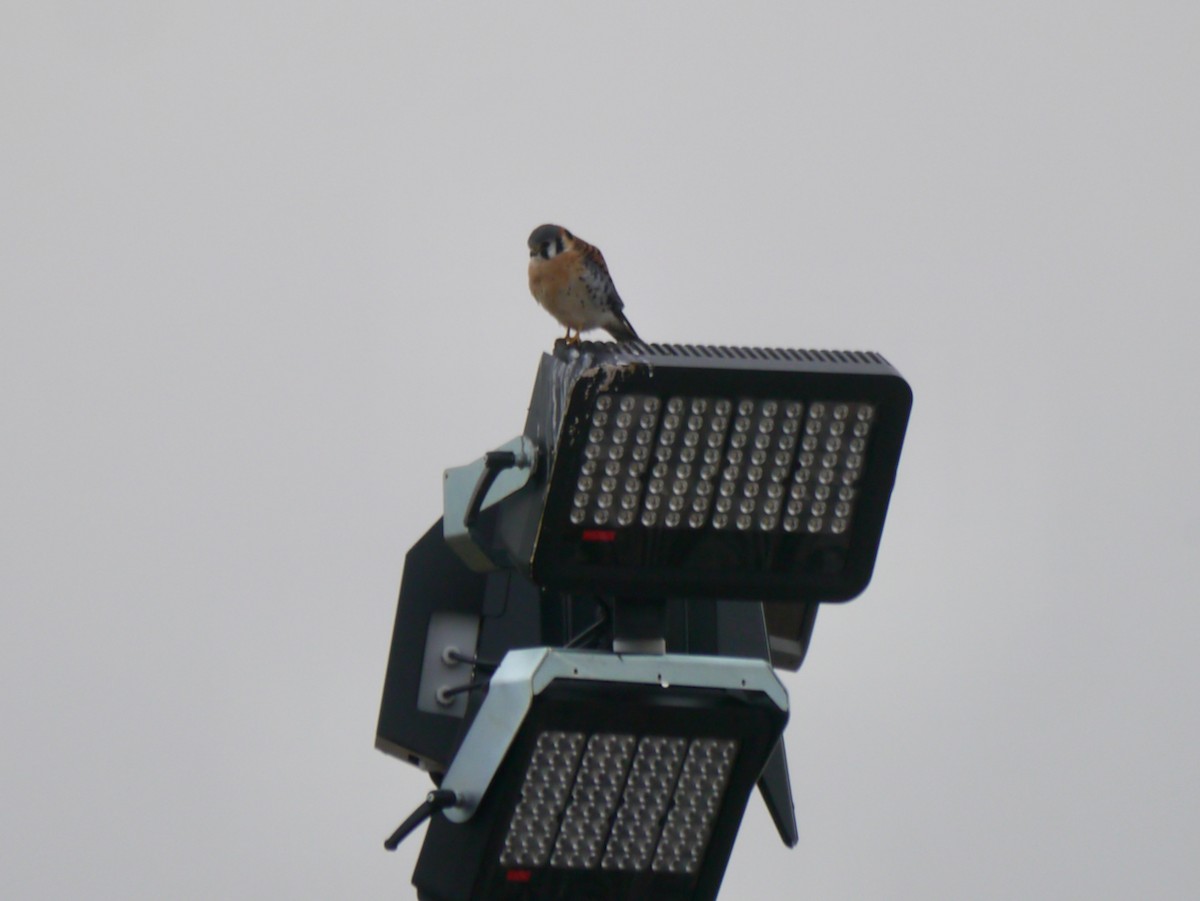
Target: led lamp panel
(635,801)
(613,790)
(721,463)
(718,472)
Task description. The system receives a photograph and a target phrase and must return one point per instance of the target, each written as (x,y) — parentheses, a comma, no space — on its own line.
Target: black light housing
(584,645)
(607,788)
(678,471)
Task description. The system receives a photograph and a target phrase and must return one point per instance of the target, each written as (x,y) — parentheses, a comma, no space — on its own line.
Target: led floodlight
(592,775)
(669,470)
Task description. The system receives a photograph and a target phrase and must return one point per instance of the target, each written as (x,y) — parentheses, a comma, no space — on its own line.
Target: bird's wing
(595,273)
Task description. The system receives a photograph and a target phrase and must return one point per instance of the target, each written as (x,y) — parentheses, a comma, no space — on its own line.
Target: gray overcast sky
(262,269)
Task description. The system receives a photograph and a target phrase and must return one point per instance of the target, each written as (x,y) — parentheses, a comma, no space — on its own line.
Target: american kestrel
(568,276)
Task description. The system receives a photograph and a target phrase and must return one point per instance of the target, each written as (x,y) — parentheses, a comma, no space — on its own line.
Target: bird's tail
(622,330)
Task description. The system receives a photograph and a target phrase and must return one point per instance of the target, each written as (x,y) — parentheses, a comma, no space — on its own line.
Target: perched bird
(568,276)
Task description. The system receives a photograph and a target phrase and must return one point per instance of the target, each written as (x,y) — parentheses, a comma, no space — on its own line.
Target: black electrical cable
(438,799)
(476,662)
(588,633)
(494,462)
(445,693)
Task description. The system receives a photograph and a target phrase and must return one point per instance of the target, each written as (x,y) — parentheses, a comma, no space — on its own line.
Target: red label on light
(519,875)
(599,535)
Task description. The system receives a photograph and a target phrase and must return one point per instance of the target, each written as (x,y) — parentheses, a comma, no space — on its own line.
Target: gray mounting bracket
(468,490)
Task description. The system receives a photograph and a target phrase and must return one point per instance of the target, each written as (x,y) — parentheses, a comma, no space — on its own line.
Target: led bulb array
(701,462)
(639,820)
(619,802)
(697,800)
(594,798)
(544,795)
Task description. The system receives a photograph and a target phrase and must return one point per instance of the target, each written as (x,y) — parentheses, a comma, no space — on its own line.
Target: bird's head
(548,241)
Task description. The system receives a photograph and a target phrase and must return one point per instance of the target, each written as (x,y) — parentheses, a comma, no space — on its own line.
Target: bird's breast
(550,280)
